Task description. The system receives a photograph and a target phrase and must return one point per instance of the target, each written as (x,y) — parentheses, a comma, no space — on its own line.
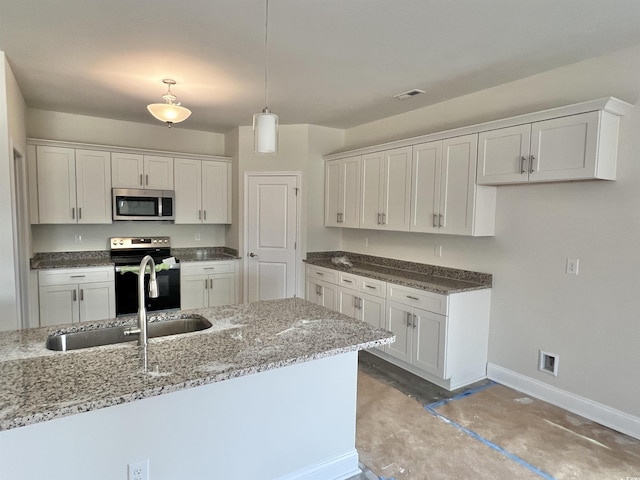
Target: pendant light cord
(266,58)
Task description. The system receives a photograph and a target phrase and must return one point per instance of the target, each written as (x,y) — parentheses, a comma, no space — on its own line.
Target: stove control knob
(115,243)
(166,241)
(155,241)
(121,242)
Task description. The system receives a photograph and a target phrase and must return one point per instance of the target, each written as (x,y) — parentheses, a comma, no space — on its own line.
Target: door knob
(252,255)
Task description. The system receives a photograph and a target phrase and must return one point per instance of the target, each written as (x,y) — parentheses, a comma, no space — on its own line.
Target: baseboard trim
(337,468)
(597,412)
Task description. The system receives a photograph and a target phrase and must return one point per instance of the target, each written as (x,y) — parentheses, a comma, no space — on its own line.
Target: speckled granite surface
(37,385)
(98,258)
(431,278)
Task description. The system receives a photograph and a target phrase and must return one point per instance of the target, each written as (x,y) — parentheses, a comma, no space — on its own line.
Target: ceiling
(336,63)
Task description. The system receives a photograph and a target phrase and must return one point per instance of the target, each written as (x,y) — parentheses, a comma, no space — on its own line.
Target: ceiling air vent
(408,93)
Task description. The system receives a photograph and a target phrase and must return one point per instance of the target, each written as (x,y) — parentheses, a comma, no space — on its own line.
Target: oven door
(127,291)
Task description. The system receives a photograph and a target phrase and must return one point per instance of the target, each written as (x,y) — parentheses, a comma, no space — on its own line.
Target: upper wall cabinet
(203,191)
(576,147)
(444,194)
(129,170)
(385,189)
(342,192)
(73,186)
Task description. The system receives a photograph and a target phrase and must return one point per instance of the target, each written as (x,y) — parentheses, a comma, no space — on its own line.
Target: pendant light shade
(265,132)
(169,112)
(265,124)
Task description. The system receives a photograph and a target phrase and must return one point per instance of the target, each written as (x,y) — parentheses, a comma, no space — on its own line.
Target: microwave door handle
(160,206)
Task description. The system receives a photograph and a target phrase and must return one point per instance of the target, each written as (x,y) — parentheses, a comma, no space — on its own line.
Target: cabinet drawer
(377,288)
(320,273)
(432,302)
(62,276)
(206,268)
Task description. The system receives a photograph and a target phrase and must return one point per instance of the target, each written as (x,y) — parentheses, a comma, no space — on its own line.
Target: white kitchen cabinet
(575,147)
(130,170)
(385,189)
(444,194)
(342,192)
(321,287)
(203,191)
(362,298)
(207,284)
(76,295)
(73,186)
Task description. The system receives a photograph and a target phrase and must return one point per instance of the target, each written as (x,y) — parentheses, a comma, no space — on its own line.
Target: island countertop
(37,385)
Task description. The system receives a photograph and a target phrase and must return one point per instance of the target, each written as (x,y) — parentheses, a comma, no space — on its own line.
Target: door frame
(245,235)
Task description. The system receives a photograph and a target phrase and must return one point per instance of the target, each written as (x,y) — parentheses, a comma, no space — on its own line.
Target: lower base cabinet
(207,284)
(76,295)
(441,338)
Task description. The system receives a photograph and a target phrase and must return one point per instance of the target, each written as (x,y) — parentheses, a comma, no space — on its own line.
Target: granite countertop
(101,258)
(37,385)
(442,280)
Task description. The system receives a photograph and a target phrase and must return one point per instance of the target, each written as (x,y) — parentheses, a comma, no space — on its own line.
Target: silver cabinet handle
(435,220)
(440,218)
(74,296)
(205,284)
(346,281)
(318,290)
(78,276)
(73,213)
(320,273)
(522,162)
(199,214)
(384,218)
(140,179)
(337,217)
(80,213)
(205,214)
(412,298)
(360,303)
(82,294)
(211,284)
(532,158)
(342,218)
(209,268)
(252,255)
(413,322)
(147,179)
(379,219)
(370,286)
(355,302)
(408,319)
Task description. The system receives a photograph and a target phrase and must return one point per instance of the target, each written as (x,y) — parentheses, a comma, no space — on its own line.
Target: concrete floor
(493,433)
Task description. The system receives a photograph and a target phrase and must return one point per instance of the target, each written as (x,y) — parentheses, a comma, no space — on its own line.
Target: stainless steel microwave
(139,204)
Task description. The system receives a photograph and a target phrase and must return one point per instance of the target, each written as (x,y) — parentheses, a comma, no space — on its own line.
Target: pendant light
(169,112)
(265,124)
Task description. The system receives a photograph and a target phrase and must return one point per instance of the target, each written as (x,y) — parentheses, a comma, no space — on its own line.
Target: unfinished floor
(408,428)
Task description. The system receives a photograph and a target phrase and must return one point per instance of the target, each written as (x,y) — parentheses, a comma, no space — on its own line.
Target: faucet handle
(153,288)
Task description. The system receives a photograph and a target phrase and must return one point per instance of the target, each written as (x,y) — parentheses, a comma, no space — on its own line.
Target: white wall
(12,134)
(300,149)
(84,129)
(589,320)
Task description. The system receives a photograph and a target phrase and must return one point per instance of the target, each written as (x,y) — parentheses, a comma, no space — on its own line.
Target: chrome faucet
(142,311)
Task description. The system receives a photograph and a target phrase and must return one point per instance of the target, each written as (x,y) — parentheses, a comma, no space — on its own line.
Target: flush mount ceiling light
(169,112)
(265,124)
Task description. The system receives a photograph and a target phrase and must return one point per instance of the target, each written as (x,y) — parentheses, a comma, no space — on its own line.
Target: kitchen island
(274,397)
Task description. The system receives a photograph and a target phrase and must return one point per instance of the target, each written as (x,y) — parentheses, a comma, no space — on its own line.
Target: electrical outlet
(366,242)
(572,266)
(139,470)
(197,237)
(437,250)
(78,238)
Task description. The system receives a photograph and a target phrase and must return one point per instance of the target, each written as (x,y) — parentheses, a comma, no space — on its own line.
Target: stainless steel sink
(111,335)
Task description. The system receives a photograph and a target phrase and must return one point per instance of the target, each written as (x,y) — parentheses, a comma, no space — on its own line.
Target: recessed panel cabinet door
(127,170)
(503,155)
(59,304)
(56,169)
(93,186)
(194,291)
(158,172)
(332,193)
(396,207)
(397,316)
(564,148)
(458,184)
(425,189)
(188,191)
(222,289)
(216,200)
(371,186)
(429,339)
(372,310)
(348,303)
(97,301)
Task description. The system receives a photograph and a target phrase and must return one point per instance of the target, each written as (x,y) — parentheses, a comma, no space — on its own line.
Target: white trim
(597,412)
(298,261)
(116,149)
(608,104)
(337,468)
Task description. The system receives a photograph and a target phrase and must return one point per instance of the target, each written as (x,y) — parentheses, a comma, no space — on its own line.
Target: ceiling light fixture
(265,124)
(169,112)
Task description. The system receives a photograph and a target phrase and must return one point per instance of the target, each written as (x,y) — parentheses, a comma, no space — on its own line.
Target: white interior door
(271,233)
